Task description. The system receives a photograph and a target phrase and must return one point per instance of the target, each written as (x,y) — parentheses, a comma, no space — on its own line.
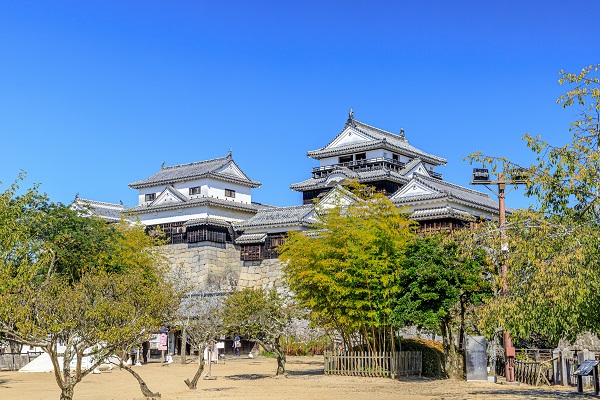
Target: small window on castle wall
(360,156)
(229,193)
(195,190)
(150,197)
(395,157)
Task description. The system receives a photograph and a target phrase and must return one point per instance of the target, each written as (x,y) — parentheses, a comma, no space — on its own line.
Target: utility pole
(481,176)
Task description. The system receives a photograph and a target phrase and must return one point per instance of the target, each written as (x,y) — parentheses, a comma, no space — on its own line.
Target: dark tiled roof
(440,212)
(362,176)
(201,169)
(212,201)
(109,211)
(251,238)
(444,189)
(281,216)
(208,221)
(380,138)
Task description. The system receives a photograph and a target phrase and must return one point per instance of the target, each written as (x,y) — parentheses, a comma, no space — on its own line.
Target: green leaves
(346,273)
(77,280)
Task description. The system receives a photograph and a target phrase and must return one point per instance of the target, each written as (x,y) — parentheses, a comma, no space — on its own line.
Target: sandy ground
(243,378)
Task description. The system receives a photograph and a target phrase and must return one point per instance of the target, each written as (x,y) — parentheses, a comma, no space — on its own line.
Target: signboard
(586,367)
(476,358)
(162,344)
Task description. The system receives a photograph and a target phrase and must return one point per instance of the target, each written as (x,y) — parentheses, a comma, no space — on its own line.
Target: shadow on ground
(305,362)
(242,377)
(532,394)
(308,372)
(218,389)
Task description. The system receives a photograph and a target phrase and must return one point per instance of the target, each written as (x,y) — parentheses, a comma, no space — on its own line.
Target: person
(237,344)
(145,349)
(133,355)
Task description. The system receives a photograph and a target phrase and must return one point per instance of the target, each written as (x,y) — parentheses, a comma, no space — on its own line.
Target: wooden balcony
(359,165)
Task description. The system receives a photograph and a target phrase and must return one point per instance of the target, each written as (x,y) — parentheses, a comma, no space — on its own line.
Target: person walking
(237,345)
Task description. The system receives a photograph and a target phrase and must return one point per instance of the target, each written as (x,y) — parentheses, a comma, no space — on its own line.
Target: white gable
(348,136)
(419,169)
(338,196)
(168,196)
(412,188)
(231,169)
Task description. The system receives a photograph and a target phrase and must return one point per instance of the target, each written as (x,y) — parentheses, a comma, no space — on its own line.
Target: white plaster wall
(185,214)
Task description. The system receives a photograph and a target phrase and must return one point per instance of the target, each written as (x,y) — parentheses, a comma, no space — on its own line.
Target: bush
(433,355)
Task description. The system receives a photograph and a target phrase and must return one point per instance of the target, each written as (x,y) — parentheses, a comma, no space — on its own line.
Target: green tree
(261,316)
(75,286)
(441,283)
(553,277)
(345,271)
(553,257)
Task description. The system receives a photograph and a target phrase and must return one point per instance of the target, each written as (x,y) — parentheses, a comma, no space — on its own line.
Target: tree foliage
(440,284)
(261,316)
(553,259)
(346,271)
(75,286)
(553,280)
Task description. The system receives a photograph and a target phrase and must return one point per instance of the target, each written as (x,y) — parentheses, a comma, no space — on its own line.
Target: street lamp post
(481,176)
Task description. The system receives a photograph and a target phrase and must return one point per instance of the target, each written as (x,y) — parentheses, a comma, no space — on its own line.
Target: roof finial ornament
(229,153)
(402,133)
(350,121)
(162,166)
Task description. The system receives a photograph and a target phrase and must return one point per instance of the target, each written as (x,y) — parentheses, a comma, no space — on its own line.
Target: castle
(218,236)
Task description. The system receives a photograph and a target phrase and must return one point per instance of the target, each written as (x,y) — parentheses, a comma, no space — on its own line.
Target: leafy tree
(553,259)
(441,282)
(346,271)
(75,286)
(198,316)
(261,316)
(553,278)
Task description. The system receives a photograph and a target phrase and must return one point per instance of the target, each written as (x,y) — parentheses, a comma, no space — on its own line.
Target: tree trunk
(143,387)
(453,358)
(192,384)
(184,346)
(280,357)
(66,392)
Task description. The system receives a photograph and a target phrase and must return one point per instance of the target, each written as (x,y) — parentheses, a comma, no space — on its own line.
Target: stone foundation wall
(265,273)
(219,265)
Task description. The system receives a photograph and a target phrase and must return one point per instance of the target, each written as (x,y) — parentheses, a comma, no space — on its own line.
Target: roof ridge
(100,202)
(464,189)
(387,133)
(197,162)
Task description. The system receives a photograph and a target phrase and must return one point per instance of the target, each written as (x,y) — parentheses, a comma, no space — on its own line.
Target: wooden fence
(14,361)
(378,364)
(533,372)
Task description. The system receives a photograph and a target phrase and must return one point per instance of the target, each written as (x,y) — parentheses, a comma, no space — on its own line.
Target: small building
(196,202)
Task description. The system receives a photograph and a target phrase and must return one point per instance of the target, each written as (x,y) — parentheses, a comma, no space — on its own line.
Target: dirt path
(253,379)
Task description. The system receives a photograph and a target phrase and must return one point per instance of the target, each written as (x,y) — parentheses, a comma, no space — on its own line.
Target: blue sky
(95,95)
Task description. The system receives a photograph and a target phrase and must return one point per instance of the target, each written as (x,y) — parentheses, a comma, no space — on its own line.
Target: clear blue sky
(97,94)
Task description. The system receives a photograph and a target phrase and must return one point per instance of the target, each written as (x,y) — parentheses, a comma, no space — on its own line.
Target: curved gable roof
(209,168)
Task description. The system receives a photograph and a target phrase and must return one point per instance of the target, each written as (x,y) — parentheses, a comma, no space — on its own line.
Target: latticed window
(271,244)
(229,193)
(150,197)
(251,252)
(195,190)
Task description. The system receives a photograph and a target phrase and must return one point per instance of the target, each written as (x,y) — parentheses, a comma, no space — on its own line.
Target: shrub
(433,355)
